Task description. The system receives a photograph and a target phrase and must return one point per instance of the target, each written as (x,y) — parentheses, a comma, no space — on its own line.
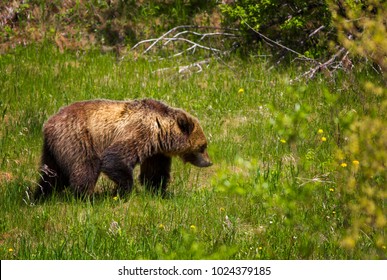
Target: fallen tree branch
(332,63)
(190,39)
(280,45)
(317,179)
(194,45)
(316,31)
(160,38)
(186,68)
(202,36)
(176,37)
(323,66)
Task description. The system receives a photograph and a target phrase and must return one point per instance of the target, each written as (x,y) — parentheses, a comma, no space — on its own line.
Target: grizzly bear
(89,137)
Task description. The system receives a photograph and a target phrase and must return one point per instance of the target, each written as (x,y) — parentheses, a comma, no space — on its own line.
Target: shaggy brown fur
(87,138)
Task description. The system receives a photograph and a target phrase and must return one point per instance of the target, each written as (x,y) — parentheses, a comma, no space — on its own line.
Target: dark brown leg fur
(118,170)
(50,175)
(84,178)
(155,173)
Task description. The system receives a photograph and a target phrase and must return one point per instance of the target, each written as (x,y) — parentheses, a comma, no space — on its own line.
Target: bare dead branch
(186,68)
(280,45)
(333,63)
(198,65)
(317,179)
(168,40)
(164,37)
(193,44)
(202,36)
(160,38)
(316,31)
(324,66)
(189,40)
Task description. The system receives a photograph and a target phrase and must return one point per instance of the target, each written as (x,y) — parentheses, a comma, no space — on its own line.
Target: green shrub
(302,25)
(362,160)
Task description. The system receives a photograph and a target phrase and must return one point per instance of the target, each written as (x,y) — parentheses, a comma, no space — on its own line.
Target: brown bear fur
(87,138)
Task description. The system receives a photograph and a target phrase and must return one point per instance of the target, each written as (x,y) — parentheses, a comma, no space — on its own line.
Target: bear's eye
(202,148)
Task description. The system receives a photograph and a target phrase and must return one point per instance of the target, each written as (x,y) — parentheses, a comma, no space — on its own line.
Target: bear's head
(195,148)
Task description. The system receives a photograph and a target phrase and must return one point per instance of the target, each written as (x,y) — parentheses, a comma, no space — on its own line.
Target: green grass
(271,194)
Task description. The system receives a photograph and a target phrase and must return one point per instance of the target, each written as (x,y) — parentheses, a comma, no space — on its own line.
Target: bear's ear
(185,123)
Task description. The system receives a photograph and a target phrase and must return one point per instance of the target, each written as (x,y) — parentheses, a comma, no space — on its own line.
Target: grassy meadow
(272,193)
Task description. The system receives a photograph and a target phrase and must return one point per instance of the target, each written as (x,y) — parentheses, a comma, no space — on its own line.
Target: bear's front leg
(155,173)
(84,176)
(118,168)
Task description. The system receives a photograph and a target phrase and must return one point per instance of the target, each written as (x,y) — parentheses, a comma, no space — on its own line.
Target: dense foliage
(81,24)
(304,26)
(307,27)
(362,26)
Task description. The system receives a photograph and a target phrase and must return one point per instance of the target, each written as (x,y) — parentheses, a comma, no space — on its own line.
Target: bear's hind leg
(155,173)
(51,176)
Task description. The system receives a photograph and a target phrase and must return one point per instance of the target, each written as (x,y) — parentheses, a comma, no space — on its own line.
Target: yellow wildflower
(323,139)
(320,131)
(241,90)
(193,227)
(283,141)
(161,226)
(331,189)
(355,162)
(10,250)
(348,242)
(343,164)
(115,198)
